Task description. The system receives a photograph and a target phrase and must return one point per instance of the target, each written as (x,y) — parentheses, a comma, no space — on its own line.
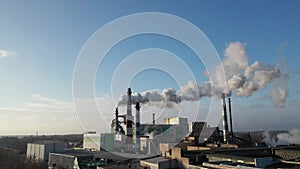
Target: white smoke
(245,79)
(254,78)
(286,138)
(241,78)
(278,92)
(293,137)
(234,62)
(144,97)
(268,139)
(190,92)
(236,58)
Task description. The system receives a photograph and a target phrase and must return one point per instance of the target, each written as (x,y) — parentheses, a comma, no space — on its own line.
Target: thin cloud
(42,104)
(5,53)
(45,114)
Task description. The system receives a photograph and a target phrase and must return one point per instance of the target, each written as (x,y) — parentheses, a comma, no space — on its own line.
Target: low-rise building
(39,152)
(151,135)
(74,160)
(93,141)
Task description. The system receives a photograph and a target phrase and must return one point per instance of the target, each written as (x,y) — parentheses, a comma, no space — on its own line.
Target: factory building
(68,160)
(228,156)
(74,160)
(168,133)
(39,152)
(131,136)
(93,141)
(174,144)
(78,159)
(151,135)
(173,129)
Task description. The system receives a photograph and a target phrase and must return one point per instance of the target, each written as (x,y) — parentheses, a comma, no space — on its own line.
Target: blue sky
(44,39)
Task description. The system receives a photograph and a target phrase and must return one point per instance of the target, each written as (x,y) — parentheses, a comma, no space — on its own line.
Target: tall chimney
(129,120)
(117,121)
(230,118)
(137,129)
(153,118)
(225,123)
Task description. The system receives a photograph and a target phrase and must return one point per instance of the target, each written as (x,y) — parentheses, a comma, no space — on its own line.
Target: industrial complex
(177,143)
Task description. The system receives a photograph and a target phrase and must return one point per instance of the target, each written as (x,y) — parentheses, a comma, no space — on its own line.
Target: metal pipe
(153,118)
(129,119)
(230,118)
(225,122)
(137,129)
(117,121)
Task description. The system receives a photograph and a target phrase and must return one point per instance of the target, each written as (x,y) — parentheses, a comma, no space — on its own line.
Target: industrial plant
(177,143)
(130,136)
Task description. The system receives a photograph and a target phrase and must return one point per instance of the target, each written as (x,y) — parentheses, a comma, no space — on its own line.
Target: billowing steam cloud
(190,92)
(241,78)
(246,79)
(286,138)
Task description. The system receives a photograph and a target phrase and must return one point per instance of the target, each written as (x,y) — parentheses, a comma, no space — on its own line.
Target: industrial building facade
(174,130)
(39,152)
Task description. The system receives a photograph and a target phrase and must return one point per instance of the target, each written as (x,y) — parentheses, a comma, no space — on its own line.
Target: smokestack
(225,123)
(116,120)
(153,118)
(230,118)
(129,120)
(137,129)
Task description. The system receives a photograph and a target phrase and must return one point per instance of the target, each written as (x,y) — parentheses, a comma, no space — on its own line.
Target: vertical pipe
(137,129)
(225,123)
(230,118)
(153,118)
(117,121)
(129,119)
(249,137)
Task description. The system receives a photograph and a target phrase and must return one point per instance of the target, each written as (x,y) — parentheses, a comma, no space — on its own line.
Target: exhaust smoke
(241,78)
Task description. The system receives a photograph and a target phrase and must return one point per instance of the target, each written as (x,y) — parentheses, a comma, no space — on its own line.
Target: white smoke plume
(286,138)
(241,78)
(190,92)
(293,137)
(268,139)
